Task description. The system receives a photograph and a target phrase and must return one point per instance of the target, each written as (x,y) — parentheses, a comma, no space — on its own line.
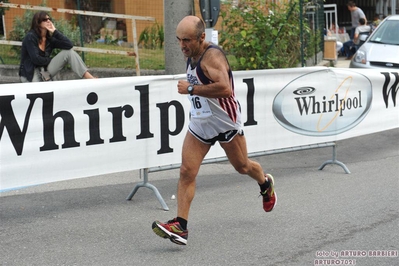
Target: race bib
(199,107)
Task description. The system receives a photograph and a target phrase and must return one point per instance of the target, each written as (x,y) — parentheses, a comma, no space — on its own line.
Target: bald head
(190,26)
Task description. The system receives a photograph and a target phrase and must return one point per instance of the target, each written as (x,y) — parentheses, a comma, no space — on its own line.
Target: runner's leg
(236,151)
(193,153)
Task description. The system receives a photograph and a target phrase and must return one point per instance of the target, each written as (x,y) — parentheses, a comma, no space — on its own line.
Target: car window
(387,33)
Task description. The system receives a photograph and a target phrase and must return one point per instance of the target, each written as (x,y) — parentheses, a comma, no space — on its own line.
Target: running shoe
(269,197)
(172,230)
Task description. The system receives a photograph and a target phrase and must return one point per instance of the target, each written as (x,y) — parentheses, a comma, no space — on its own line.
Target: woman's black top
(32,56)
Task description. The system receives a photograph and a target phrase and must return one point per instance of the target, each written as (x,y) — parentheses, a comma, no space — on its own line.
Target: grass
(149,59)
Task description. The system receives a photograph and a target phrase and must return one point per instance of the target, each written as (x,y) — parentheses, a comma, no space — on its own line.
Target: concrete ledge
(327,63)
(9,73)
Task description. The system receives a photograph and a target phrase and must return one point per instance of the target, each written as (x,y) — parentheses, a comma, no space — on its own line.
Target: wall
(152,8)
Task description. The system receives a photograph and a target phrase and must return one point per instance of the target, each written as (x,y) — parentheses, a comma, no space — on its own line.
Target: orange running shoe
(269,197)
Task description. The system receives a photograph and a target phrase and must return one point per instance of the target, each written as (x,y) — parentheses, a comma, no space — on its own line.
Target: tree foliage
(263,37)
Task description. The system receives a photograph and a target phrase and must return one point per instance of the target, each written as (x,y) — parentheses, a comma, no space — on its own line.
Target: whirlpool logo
(332,102)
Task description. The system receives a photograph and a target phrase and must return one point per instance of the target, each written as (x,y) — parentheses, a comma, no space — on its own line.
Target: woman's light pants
(58,62)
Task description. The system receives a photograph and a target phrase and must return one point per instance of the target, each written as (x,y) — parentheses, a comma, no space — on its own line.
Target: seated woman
(37,47)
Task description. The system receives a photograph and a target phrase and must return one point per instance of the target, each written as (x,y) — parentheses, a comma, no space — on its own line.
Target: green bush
(152,37)
(2,10)
(260,39)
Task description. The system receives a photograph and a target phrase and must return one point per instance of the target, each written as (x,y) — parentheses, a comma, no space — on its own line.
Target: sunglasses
(46,19)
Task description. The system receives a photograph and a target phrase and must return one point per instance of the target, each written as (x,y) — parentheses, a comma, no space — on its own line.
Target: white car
(381,49)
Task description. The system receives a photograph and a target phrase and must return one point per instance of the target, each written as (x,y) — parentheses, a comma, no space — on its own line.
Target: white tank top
(211,116)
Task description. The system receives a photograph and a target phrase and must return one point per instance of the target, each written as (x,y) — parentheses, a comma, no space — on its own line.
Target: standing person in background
(37,47)
(215,117)
(356,14)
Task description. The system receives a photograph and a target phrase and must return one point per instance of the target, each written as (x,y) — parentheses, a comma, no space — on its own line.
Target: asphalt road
(322,216)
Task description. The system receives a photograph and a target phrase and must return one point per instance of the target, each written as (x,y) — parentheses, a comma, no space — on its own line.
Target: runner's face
(189,43)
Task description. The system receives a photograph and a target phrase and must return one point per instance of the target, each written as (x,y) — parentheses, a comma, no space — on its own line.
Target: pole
(174,12)
(81,33)
(206,14)
(301,31)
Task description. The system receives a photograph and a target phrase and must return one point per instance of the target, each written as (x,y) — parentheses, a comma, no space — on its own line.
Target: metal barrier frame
(89,13)
(144,172)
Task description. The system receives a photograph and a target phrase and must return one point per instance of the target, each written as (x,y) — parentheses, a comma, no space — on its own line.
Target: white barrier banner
(52,131)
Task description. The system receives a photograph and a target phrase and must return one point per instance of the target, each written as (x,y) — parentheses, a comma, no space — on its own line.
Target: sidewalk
(341,62)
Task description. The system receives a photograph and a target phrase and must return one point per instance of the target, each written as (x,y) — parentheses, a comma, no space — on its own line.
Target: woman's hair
(36,21)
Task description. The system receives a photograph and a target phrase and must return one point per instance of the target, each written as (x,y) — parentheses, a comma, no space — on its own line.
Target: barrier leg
(335,161)
(149,186)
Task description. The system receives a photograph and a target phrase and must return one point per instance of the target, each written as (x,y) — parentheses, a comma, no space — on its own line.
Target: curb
(9,73)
